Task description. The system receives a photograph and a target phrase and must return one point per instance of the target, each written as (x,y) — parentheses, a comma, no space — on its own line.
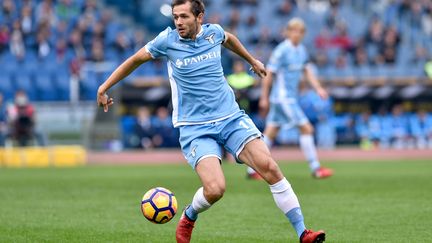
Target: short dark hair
(197,6)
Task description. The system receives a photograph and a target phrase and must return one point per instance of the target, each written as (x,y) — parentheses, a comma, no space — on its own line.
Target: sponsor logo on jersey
(197,59)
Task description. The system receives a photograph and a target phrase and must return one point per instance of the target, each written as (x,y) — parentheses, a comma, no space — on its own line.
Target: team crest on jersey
(210,38)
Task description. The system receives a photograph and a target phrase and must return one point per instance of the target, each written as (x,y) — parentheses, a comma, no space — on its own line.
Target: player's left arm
(313,80)
(234,44)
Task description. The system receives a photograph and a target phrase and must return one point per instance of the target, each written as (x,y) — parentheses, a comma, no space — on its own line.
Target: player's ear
(200,18)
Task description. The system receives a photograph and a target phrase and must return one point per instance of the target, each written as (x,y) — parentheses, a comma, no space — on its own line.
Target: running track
(280,154)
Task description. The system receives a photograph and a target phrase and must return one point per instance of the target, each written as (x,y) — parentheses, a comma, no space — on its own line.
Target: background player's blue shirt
(200,93)
(287,62)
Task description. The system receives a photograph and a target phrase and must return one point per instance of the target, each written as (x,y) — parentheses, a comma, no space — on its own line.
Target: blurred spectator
(341,39)
(67,9)
(321,59)
(421,129)
(144,129)
(320,113)
(43,46)
(166,136)
(27,22)
(17,47)
(341,61)
(139,40)
(99,31)
(3,121)
(421,54)
(345,129)
(234,19)
(76,44)
(97,52)
(239,3)
(333,18)
(121,44)
(4,38)
(323,39)
(241,81)
(286,8)
(264,38)
(368,128)
(45,13)
(375,33)
(428,69)
(360,57)
(61,50)
(21,117)
(8,10)
(214,18)
(389,46)
(251,20)
(399,128)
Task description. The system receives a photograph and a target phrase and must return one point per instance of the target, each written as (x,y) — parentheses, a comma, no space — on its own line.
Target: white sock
(250,170)
(199,202)
(284,195)
(287,201)
(267,141)
(307,145)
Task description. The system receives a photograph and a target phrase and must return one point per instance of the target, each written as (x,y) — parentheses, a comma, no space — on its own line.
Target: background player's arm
(266,85)
(120,73)
(313,80)
(234,44)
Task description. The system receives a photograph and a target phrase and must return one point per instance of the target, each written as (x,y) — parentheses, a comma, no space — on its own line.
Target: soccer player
(205,110)
(287,63)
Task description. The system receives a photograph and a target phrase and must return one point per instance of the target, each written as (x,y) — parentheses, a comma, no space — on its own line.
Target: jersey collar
(290,44)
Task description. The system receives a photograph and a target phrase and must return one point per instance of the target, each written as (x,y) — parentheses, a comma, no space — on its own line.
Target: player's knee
(271,171)
(214,191)
(307,129)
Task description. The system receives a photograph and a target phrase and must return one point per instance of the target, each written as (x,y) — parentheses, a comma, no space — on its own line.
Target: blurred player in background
(287,64)
(205,110)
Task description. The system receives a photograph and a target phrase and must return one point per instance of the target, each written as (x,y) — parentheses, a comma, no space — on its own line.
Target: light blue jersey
(200,93)
(287,62)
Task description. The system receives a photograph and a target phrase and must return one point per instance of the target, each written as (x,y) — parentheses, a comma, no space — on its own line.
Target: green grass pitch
(363,202)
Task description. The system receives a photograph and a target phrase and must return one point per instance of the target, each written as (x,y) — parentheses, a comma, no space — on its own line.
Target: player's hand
(259,68)
(322,93)
(104,101)
(263,105)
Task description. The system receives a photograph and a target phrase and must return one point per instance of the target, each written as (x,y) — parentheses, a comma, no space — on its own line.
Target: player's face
(186,23)
(296,34)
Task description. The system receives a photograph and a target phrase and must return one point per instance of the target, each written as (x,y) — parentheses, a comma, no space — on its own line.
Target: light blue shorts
(206,140)
(287,114)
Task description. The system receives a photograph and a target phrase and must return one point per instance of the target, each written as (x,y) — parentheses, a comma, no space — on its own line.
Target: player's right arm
(120,73)
(154,49)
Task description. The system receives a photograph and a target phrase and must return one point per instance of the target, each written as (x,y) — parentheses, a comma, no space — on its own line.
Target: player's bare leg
(212,178)
(270,133)
(256,155)
(308,148)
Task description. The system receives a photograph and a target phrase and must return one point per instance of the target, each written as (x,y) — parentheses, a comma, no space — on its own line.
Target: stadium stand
(60,51)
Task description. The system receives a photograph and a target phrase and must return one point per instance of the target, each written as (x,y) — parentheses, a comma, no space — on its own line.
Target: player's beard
(193,30)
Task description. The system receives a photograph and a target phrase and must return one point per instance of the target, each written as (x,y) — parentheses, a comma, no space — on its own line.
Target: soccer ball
(159,205)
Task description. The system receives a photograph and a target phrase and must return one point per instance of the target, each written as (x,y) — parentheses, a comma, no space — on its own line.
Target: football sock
(199,204)
(250,170)
(267,141)
(287,201)
(308,147)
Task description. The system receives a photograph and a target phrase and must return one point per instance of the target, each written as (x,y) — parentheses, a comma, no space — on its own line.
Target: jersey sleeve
(220,34)
(275,60)
(307,61)
(158,46)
